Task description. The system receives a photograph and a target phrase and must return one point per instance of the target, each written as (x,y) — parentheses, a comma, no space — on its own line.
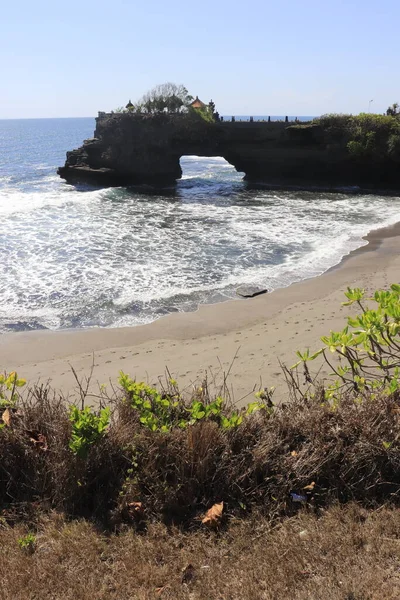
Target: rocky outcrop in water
(145,149)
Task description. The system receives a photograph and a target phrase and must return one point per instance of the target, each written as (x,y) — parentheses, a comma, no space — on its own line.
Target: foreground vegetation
(300,453)
(346,553)
(172,482)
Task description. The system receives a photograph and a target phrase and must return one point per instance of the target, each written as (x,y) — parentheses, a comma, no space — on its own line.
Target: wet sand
(247,337)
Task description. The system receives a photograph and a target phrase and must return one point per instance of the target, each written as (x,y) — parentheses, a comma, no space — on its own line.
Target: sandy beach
(247,337)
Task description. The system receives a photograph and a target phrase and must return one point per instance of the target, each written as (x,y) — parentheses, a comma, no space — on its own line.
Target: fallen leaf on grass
(309,487)
(162,589)
(213,515)
(293,453)
(303,535)
(7,416)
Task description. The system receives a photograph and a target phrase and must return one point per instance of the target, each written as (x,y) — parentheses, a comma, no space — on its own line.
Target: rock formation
(129,148)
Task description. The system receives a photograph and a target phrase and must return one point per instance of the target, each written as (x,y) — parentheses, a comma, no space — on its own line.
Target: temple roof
(197,103)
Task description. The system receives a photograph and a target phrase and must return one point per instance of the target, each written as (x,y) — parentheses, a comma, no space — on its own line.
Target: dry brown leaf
(309,487)
(136,509)
(40,442)
(38,439)
(293,453)
(161,589)
(7,416)
(213,515)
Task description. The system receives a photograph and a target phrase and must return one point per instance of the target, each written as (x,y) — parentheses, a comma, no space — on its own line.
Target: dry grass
(346,554)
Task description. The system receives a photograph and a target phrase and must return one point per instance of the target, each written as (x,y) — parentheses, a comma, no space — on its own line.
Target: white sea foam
(111,257)
(15,201)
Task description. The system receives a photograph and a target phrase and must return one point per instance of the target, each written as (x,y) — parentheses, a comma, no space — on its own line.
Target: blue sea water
(83,257)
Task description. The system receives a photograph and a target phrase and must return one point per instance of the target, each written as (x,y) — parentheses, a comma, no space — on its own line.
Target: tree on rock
(167,97)
(394,110)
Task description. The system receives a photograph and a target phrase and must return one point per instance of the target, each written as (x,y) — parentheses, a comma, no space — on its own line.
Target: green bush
(27,543)
(8,389)
(394,145)
(201,114)
(367,349)
(163,411)
(87,428)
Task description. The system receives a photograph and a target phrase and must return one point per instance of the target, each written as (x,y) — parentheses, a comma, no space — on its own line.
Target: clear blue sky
(73,58)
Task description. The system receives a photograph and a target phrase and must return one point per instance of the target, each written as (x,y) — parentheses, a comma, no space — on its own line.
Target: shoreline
(249,337)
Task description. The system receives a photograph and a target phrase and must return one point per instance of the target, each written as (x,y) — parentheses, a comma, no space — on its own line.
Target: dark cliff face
(134,149)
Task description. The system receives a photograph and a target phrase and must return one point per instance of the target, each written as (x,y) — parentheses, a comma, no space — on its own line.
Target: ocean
(83,257)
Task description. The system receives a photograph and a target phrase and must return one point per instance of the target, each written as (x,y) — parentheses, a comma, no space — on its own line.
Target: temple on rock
(198,103)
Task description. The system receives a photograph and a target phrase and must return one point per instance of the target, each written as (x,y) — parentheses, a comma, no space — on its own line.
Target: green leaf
(314,356)
(296,364)
(253,407)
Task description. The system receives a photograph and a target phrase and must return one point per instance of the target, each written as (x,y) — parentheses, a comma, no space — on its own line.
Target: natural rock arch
(137,148)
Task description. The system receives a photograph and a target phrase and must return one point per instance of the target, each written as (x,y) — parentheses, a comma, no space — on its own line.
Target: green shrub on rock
(365,135)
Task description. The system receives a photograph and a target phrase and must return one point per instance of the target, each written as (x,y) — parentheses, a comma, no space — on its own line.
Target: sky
(75,58)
